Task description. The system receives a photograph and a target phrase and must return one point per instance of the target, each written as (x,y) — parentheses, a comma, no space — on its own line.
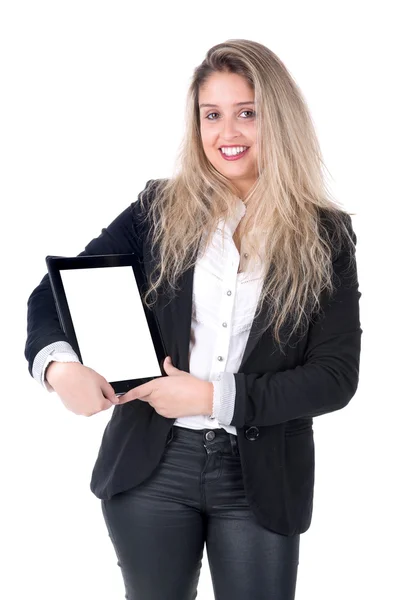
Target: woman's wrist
(54,369)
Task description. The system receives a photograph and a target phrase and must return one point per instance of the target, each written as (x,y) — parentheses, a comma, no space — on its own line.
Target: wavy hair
(285,209)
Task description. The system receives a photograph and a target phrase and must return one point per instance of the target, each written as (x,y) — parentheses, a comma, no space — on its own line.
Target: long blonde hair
(283,222)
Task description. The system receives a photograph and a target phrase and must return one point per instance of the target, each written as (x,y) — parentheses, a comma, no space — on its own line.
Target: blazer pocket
(303,428)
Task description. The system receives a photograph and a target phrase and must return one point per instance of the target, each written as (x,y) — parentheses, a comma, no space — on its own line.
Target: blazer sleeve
(328,377)
(123,236)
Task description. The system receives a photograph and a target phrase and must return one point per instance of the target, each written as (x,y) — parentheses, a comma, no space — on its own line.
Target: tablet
(100,309)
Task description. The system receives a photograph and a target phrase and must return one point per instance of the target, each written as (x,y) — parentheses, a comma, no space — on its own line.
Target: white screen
(110,323)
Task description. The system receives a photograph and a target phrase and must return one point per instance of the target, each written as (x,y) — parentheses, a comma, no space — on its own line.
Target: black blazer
(277,395)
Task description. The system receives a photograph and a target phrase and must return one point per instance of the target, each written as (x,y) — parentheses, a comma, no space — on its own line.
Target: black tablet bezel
(55,264)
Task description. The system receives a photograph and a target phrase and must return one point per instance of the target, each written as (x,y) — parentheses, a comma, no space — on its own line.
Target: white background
(92,100)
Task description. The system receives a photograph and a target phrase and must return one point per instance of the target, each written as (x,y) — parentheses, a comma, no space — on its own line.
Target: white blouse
(223,308)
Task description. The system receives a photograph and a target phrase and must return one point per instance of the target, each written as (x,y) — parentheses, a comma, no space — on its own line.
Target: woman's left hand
(178,395)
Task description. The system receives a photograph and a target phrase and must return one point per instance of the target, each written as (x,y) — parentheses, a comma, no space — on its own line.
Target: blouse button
(220,358)
(246,255)
(229,292)
(223,324)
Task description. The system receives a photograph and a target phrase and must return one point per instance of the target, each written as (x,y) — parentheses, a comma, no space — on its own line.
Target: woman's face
(229,123)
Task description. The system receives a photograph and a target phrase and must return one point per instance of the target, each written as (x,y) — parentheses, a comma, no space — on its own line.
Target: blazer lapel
(175,317)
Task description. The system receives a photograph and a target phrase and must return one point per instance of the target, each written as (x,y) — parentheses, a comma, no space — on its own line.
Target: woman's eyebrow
(216,105)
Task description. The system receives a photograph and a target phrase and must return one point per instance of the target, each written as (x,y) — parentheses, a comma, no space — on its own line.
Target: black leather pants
(196,496)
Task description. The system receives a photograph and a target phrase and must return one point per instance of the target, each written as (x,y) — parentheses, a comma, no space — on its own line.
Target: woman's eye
(243,111)
(250,111)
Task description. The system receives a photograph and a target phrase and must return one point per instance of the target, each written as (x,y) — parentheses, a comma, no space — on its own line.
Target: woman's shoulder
(147,195)
(139,213)
(336,226)
(331,217)
(153,186)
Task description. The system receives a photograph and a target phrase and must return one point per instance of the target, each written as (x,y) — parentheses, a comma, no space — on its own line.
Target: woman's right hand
(81,389)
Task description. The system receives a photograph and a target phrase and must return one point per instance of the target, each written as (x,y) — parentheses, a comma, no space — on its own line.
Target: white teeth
(233,151)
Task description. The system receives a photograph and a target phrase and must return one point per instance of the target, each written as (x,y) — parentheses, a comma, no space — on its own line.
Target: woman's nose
(229,129)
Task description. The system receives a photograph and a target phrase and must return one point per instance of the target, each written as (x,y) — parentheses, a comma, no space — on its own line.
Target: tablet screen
(110,323)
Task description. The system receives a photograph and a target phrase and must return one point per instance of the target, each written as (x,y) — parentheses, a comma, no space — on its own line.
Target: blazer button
(252,433)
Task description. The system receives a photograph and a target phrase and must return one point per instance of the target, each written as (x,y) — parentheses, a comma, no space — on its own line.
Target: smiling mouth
(234,156)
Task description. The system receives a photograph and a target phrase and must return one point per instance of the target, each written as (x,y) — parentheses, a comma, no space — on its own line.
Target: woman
(263,330)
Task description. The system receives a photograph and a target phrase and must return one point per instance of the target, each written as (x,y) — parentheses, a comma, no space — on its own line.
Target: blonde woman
(251,273)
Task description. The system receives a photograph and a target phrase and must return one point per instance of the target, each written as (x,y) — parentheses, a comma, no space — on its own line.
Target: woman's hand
(81,389)
(178,395)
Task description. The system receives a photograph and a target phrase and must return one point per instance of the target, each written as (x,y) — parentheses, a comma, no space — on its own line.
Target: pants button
(210,435)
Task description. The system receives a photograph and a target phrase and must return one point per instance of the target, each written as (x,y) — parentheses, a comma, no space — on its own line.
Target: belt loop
(234,445)
(170,436)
